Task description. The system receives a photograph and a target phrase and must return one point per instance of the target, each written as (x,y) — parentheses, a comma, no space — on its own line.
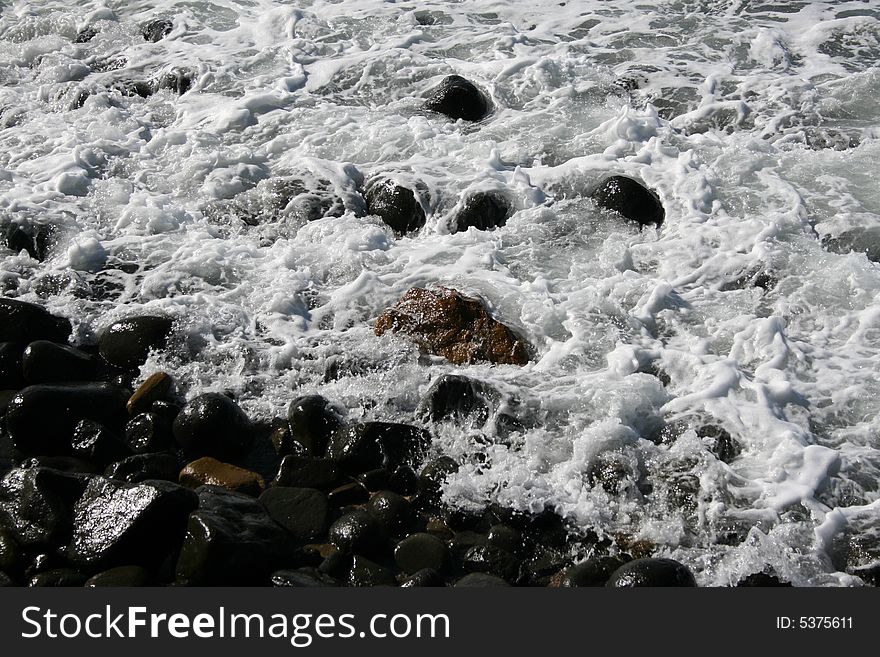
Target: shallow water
(756,123)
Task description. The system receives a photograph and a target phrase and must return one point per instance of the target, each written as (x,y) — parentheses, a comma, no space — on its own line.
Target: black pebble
(483,211)
(403,481)
(459,98)
(147,433)
(423,578)
(213,425)
(308,472)
(592,572)
(651,572)
(156,29)
(94,442)
(48,362)
(141,467)
(59,577)
(630,198)
(488,559)
(127,343)
(302,578)
(396,205)
(120,576)
(762,579)
(374,480)
(25,322)
(394,512)
(11,377)
(365,572)
(419,551)
(358,532)
(312,421)
(348,494)
(370,445)
(480,580)
(303,512)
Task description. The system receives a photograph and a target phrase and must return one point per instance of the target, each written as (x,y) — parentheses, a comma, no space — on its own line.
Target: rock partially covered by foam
(446,323)
(629,198)
(459,98)
(156,29)
(483,211)
(396,205)
(127,343)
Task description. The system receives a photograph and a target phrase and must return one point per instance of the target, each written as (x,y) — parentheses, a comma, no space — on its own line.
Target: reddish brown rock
(153,389)
(446,323)
(209,471)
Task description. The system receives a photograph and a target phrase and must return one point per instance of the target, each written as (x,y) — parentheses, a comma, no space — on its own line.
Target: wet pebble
(308,472)
(127,343)
(120,576)
(651,572)
(370,445)
(47,362)
(153,389)
(421,551)
(140,467)
(208,471)
(358,532)
(213,425)
(303,512)
(24,322)
(312,421)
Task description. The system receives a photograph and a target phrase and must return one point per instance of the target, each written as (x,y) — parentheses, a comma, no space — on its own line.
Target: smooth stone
(59,577)
(11,375)
(629,198)
(365,572)
(459,98)
(36,505)
(126,344)
(459,399)
(47,362)
(358,532)
(420,551)
(213,425)
(165,409)
(348,494)
(423,578)
(65,464)
(483,211)
(394,512)
(337,564)
(153,389)
(396,205)
(506,538)
(308,472)
(156,29)
(374,480)
(120,576)
(651,572)
(231,541)
(462,542)
(488,559)
(147,433)
(480,581)
(208,471)
(119,524)
(762,579)
(403,481)
(592,572)
(94,442)
(141,467)
(41,418)
(434,474)
(370,445)
(302,578)
(312,421)
(303,512)
(25,322)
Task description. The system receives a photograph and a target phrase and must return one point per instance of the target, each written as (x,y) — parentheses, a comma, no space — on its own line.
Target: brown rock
(153,389)
(446,323)
(210,471)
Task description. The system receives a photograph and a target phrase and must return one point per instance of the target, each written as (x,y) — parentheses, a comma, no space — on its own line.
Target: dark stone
(208,471)
(11,377)
(141,467)
(403,481)
(41,418)
(86,34)
(370,445)
(308,472)
(66,464)
(25,322)
(59,577)
(651,572)
(47,362)
(147,433)
(35,238)
(457,398)
(423,578)
(120,576)
(95,442)
(230,540)
(302,578)
(492,560)
(303,512)
(724,446)
(434,474)
(629,198)
(179,81)
(337,564)
(36,505)
(348,494)
(762,579)
(165,409)
(506,538)
(127,343)
(458,98)
(129,524)
(312,421)
(444,322)
(592,572)
(396,205)
(12,558)
(394,512)
(358,532)
(213,425)
(419,551)
(374,480)
(480,581)
(156,29)
(153,389)
(368,573)
(483,211)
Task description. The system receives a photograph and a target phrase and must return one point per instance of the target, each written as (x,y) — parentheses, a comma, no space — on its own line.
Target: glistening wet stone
(36,505)
(213,425)
(303,512)
(651,572)
(127,343)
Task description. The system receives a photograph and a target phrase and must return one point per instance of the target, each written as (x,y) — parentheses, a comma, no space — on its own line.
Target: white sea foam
(756,123)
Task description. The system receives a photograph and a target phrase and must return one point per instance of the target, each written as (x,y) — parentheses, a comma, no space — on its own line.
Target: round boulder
(213,425)
(629,198)
(459,98)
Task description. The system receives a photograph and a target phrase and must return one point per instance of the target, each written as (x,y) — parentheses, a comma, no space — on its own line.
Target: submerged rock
(86,34)
(459,98)
(156,29)
(483,211)
(25,322)
(396,205)
(213,425)
(209,471)
(129,524)
(41,418)
(457,398)
(629,198)
(370,445)
(651,572)
(446,323)
(312,421)
(127,343)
